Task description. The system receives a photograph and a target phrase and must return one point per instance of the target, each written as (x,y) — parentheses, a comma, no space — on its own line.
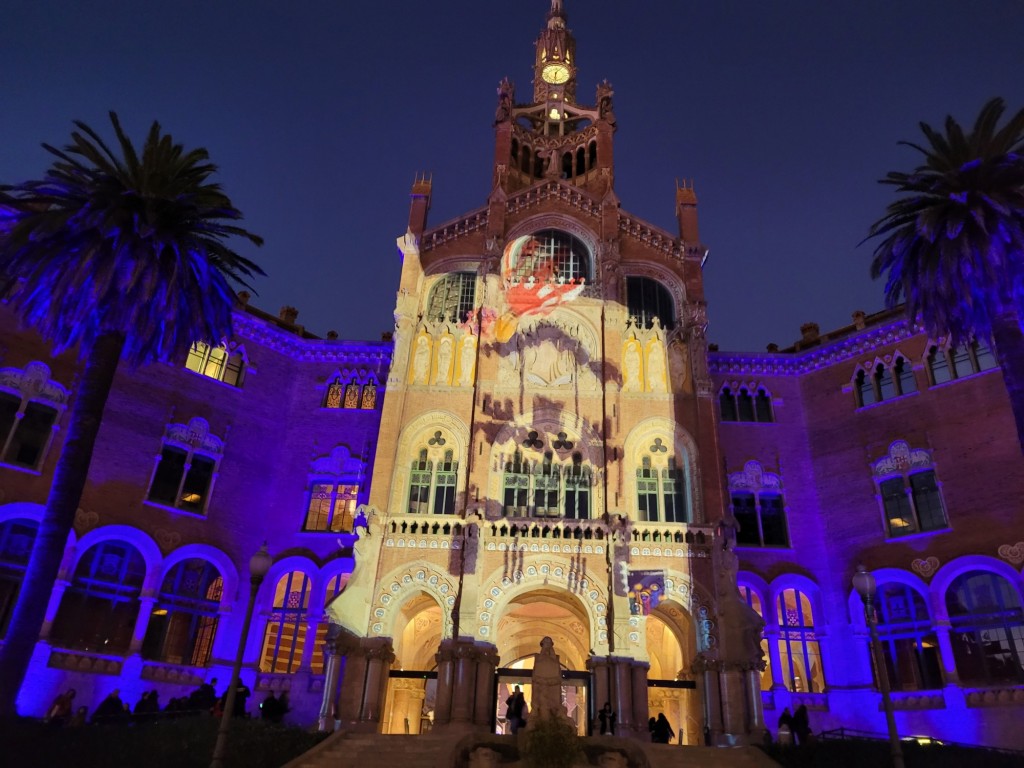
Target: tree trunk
(1009,341)
(65,495)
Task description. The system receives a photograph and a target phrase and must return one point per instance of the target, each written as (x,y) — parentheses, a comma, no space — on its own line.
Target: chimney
(773,347)
(809,332)
(419,204)
(858,319)
(686,212)
(288,314)
(332,335)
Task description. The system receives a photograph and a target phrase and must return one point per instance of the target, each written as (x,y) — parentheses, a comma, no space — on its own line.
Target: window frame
(231,368)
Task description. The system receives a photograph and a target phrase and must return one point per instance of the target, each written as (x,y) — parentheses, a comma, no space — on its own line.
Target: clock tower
(554,76)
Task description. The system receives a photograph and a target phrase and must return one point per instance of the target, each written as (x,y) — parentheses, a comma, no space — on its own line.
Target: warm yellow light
(160,612)
(555,114)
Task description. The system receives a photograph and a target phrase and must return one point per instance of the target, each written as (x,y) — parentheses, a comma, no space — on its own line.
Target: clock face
(555,74)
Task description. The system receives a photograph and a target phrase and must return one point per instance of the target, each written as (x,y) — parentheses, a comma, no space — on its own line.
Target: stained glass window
(184,619)
(799,651)
(285,637)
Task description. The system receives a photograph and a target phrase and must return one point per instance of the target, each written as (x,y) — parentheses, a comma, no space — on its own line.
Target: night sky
(319,115)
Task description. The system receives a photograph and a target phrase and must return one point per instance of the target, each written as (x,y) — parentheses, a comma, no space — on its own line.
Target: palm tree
(953,245)
(115,255)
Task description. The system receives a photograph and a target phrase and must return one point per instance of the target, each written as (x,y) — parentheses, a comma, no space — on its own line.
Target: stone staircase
(372,750)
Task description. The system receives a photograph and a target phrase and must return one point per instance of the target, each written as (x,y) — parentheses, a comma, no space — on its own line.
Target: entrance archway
(412,684)
(529,618)
(671,647)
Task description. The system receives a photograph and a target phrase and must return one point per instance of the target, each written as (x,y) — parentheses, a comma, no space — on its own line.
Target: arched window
(369,399)
(515,152)
(581,161)
(452,298)
(517,486)
(334,394)
(799,651)
(184,618)
(745,405)
(866,394)
(220,363)
(548,255)
(905,629)
(351,395)
(763,406)
(25,438)
(285,637)
(647,299)
(16,539)
(433,484)
(759,507)
(987,628)
(577,490)
(334,588)
(661,487)
(727,405)
(909,492)
(947,363)
(741,405)
(884,382)
(592,155)
(100,606)
(751,598)
(546,486)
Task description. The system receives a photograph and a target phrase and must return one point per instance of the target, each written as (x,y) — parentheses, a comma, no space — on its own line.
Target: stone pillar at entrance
(364,685)
(325,721)
(465,685)
(623,683)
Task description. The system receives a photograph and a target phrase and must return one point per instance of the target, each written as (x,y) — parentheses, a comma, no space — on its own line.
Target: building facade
(546,446)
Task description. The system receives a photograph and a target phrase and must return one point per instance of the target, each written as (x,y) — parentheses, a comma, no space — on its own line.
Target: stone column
(465,684)
(640,706)
(734,701)
(364,682)
(943,636)
(51,607)
(487,662)
(708,671)
(325,721)
(445,683)
(380,656)
(146,603)
(600,676)
(623,704)
(756,703)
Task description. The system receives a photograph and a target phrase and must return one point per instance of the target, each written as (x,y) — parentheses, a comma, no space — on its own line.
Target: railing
(82,661)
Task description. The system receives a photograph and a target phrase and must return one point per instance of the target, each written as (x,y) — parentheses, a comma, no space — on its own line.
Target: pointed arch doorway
(671,689)
(528,618)
(412,681)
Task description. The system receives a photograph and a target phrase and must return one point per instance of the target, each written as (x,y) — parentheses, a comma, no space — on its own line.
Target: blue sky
(319,115)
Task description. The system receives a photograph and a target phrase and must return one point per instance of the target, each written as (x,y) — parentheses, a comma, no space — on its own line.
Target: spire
(555,65)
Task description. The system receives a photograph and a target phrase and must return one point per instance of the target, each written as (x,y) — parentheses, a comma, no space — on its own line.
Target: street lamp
(259,564)
(864,583)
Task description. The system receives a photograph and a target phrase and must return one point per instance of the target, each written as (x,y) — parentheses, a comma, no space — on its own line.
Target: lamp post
(864,583)
(259,564)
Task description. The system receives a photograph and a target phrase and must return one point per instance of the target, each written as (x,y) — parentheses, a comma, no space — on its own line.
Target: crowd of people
(202,700)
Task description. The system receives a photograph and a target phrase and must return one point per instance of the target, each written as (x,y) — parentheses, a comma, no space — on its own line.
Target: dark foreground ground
(875,754)
(174,743)
(188,743)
